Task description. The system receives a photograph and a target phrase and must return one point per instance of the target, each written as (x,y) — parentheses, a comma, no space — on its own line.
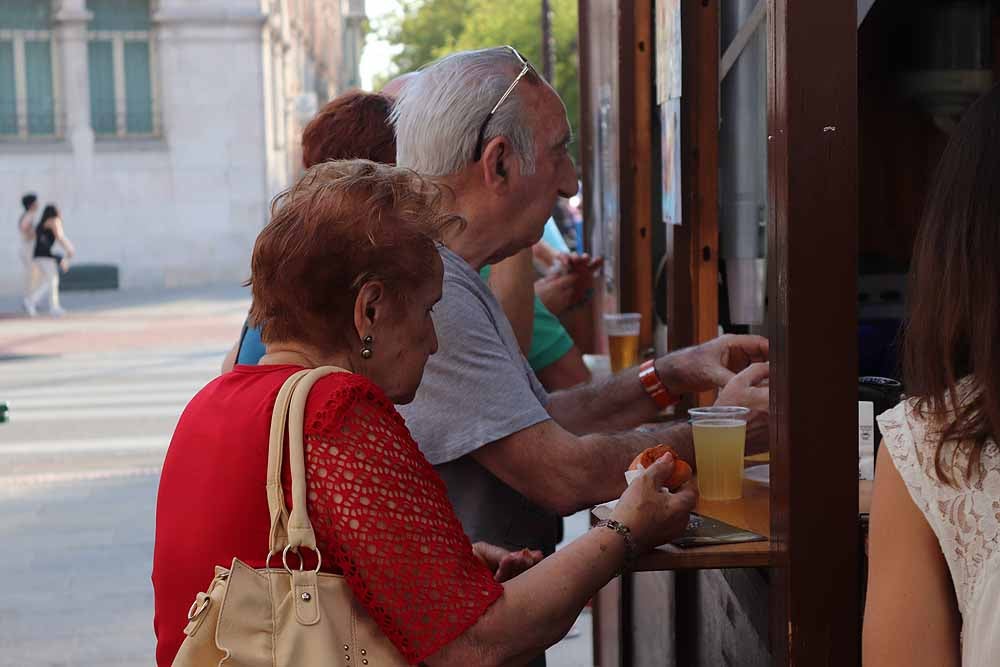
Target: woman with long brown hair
(934,589)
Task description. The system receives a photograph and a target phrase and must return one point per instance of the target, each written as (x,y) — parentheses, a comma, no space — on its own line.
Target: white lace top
(964,517)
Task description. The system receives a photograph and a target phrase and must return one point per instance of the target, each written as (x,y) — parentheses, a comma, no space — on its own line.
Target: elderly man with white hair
(514,458)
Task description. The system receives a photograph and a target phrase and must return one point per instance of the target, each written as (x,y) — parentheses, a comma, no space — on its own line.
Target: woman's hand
(505,564)
(653,516)
(570,284)
(545,254)
(556,292)
(583,268)
(576,263)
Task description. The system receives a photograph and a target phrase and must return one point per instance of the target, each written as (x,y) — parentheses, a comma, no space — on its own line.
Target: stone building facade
(163,128)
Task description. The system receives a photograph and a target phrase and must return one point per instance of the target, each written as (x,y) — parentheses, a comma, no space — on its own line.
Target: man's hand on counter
(749,389)
(711,365)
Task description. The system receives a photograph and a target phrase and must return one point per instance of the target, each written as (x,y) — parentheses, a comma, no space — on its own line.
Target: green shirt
(549,339)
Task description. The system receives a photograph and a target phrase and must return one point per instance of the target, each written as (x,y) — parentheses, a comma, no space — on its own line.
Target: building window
(28,102)
(120,59)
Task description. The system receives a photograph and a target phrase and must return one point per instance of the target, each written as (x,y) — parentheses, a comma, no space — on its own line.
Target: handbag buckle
(295,550)
(198,607)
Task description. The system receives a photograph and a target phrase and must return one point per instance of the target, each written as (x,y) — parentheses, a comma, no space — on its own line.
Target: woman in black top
(49,232)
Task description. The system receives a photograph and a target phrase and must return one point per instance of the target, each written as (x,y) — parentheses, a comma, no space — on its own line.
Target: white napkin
(761,473)
(866,440)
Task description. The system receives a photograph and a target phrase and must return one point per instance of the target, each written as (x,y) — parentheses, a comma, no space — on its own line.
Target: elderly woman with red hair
(352,125)
(346,274)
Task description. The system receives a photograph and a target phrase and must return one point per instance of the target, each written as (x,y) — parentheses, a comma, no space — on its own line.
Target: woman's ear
(369,307)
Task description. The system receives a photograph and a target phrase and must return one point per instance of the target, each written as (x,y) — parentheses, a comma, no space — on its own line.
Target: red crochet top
(380,511)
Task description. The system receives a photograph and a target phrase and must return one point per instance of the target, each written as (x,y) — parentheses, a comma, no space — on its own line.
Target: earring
(366,347)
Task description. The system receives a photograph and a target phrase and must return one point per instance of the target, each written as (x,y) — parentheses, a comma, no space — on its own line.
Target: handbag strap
(294,529)
(278,537)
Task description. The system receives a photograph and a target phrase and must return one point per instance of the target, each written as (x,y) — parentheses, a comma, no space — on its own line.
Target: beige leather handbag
(283,616)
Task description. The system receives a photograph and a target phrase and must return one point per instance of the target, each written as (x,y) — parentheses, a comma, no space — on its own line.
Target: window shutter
(138,90)
(38,74)
(102,87)
(121,64)
(8,89)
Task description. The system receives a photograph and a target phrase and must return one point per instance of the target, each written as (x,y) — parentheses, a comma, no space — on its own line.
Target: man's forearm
(675,433)
(604,458)
(616,403)
(563,472)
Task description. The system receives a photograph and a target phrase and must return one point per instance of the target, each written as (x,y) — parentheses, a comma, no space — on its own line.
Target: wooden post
(636,151)
(587,111)
(812,237)
(548,46)
(607,604)
(693,299)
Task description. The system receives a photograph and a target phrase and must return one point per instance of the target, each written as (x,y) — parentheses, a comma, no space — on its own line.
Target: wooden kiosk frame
(809,569)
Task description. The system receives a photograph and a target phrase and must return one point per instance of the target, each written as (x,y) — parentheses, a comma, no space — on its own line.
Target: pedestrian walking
(26,242)
(49,264)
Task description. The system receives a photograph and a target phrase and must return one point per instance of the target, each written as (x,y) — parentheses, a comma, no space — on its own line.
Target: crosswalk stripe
(45,380)
(84,357)
(12,484)
(78,445)
(58,413)
(123,386)
(71,416)
(78,360)
(11,370)
(120,398)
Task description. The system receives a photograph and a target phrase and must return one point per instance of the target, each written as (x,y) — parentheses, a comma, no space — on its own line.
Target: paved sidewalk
(114,321)
(77,563)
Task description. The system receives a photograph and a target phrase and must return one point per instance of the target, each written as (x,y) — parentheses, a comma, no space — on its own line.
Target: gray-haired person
(514,458)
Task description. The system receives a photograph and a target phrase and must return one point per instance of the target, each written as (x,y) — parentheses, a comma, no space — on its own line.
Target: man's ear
(370,308)
(496,164)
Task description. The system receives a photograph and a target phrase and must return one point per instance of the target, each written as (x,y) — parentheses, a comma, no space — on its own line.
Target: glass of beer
(623,339)
(720,435)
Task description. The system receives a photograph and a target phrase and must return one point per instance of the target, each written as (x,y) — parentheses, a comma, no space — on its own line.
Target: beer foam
(719,423)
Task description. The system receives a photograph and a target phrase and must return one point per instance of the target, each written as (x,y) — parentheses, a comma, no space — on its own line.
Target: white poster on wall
(668,96)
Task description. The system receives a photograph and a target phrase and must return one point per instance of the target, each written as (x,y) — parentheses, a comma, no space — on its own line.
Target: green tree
(422,29)
(430,29)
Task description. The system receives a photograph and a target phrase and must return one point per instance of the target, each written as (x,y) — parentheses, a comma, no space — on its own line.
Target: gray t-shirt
(477,389)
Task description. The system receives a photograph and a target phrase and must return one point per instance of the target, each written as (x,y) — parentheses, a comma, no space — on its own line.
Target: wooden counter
(751,512)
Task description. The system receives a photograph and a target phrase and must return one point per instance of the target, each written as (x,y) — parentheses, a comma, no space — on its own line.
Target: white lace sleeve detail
(963,516)
(899,438)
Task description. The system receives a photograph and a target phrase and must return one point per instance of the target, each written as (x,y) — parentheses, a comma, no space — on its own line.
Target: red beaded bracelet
(654,386)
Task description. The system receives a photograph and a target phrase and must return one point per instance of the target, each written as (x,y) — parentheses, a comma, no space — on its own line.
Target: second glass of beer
(623,339)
